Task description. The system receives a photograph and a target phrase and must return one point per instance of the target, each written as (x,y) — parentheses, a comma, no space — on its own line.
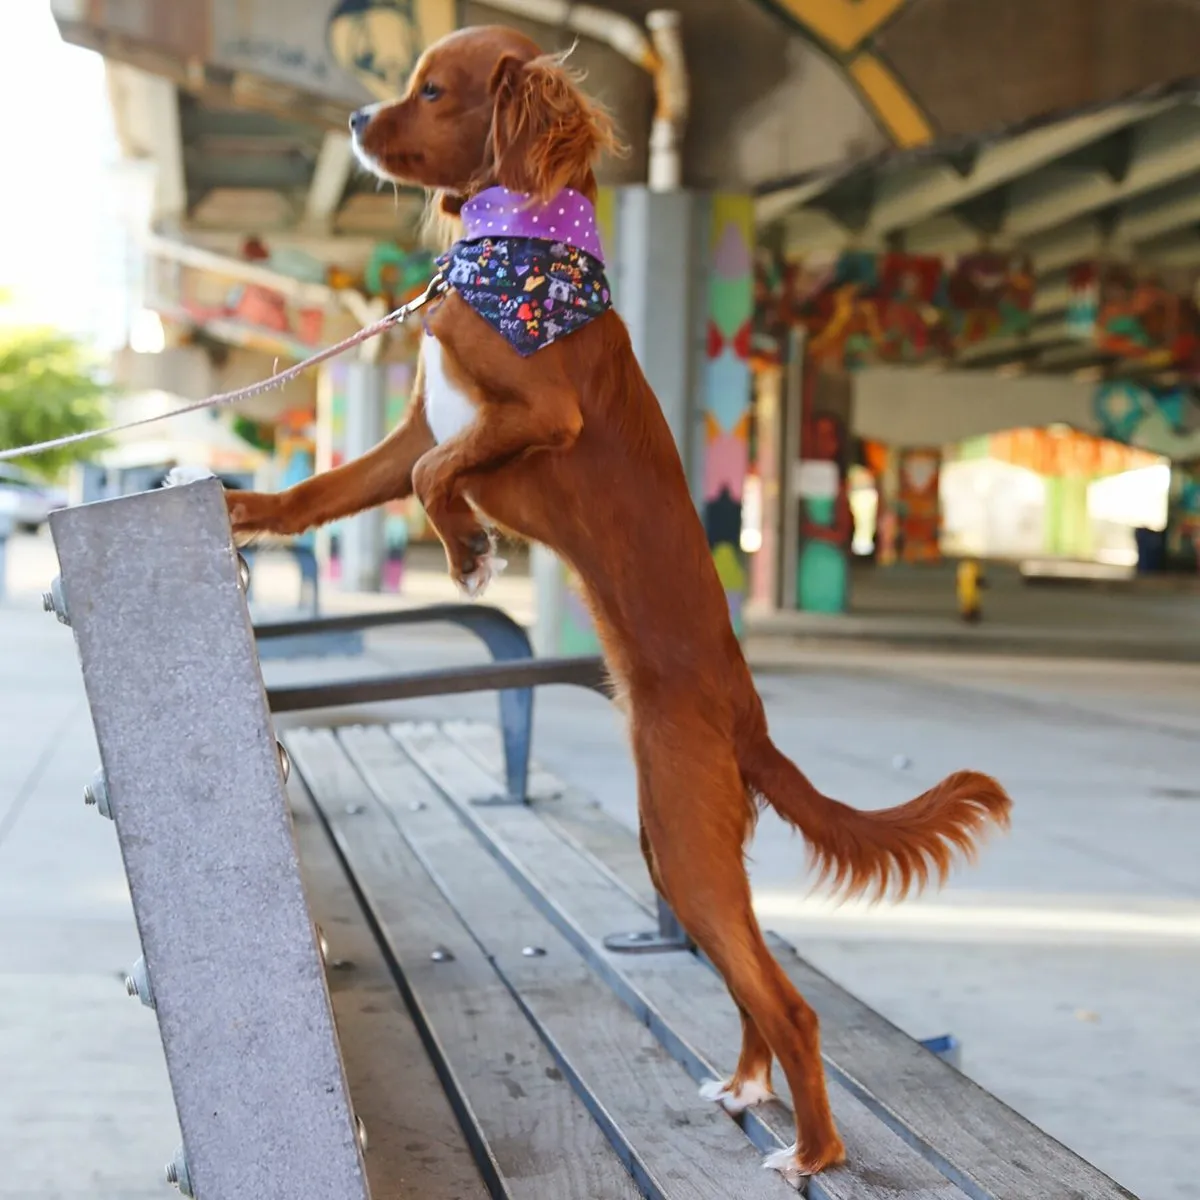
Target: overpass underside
(897,225)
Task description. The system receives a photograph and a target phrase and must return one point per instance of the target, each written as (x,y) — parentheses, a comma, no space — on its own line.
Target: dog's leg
(703,875)
(543,419)
(750,1083)
(384,473)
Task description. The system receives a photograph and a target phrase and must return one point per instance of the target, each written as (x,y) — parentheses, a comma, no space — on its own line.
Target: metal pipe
(672,99)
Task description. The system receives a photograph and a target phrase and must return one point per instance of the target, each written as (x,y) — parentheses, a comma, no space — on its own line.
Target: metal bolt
(361,1131)
(137,983)
(54,602)
(417,806)
(95,794)
(177,1173)
(243,573)
(534,952)
(285,761)
(355,810)
(322,945)
(441,954)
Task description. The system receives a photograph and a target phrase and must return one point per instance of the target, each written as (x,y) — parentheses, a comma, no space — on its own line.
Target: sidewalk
(1067,961)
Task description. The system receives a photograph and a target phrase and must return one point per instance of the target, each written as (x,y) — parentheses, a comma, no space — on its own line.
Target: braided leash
(436,287)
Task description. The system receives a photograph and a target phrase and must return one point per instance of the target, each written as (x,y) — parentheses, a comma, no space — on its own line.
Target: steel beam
(195,786)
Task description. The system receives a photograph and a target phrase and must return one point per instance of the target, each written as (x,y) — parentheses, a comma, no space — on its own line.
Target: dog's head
(485,107)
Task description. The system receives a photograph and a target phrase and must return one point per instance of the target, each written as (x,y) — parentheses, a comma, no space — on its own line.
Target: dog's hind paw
(736,1099)
(787,1163)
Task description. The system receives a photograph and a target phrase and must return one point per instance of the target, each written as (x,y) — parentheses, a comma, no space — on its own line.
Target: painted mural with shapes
(379,41)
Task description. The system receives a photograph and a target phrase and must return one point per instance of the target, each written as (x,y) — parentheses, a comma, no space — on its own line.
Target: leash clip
(437,285)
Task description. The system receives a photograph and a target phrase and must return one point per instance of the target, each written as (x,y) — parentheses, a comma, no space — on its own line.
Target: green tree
(49,388)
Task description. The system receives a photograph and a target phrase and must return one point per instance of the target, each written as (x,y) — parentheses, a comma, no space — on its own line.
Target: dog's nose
(359,120)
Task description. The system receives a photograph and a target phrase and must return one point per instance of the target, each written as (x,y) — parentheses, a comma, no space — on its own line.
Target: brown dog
(568,447)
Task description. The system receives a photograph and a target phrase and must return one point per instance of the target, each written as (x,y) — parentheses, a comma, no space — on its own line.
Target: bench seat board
(533,1138)
(683,1002)
(676,1146)
(416,1147)
(987,1147)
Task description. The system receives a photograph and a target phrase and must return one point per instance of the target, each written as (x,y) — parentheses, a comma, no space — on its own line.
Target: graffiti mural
(726,389)
(1163,420)
(861,308)
(1146,318)
(379,41)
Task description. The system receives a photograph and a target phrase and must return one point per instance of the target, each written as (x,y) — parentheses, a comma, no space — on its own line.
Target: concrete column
(362,536)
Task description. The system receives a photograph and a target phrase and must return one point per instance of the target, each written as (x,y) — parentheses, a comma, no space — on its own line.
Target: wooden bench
(499,1033)
(570,1067)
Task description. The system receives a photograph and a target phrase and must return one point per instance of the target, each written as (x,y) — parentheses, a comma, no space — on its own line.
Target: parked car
(26,501)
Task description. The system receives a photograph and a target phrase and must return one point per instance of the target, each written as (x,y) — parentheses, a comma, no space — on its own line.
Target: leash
(437,285)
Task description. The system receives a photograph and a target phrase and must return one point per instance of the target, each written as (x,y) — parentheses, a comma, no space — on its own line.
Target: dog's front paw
(736,1099)
(179,476)
(474,582)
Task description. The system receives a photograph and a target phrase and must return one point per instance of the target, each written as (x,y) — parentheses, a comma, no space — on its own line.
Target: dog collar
(568,217)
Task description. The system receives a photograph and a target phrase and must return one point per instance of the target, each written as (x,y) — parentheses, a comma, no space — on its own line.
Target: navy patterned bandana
(529,290)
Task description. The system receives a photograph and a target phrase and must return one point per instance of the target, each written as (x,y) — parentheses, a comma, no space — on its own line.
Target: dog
(555,436)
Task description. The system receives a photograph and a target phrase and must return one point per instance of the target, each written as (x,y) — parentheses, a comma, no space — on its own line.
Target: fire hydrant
(969,585)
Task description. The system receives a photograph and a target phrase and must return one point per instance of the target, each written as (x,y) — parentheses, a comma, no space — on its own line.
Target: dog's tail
(884,851)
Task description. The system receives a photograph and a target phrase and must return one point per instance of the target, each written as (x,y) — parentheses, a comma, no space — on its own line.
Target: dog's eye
(430,91)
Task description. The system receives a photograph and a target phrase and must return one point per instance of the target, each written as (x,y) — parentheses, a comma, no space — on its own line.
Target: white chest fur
(447,408)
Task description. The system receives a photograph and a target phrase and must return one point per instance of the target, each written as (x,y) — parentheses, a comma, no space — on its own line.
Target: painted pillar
(361,537)
(1068,525)
(723,457)
(918,504)
(822,492)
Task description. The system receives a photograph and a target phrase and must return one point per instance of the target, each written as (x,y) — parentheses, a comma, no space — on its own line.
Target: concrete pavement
(1068,960)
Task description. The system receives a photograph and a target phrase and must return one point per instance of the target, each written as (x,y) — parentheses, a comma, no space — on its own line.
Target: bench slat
(416,1146)
(992,1150)
(677,1147)
(684,1002)
(532,1136)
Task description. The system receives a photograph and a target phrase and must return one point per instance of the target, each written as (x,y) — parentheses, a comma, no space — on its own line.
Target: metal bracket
(670,935)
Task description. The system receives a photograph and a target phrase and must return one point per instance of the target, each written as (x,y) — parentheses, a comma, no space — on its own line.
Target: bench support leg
(669,935)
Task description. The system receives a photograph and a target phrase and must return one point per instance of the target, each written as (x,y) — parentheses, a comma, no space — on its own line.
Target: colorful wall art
(726,388)
(860,308)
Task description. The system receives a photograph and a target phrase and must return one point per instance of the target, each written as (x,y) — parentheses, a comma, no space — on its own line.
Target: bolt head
(355,810)
(285,761)
(360,1131)
(441,954)
(534,952)
(243,573)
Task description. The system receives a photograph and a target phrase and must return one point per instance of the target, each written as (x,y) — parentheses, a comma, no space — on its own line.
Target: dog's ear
(546,133)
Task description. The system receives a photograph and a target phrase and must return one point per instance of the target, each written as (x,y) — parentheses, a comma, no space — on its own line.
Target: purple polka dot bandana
(532,288)
(568,217)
